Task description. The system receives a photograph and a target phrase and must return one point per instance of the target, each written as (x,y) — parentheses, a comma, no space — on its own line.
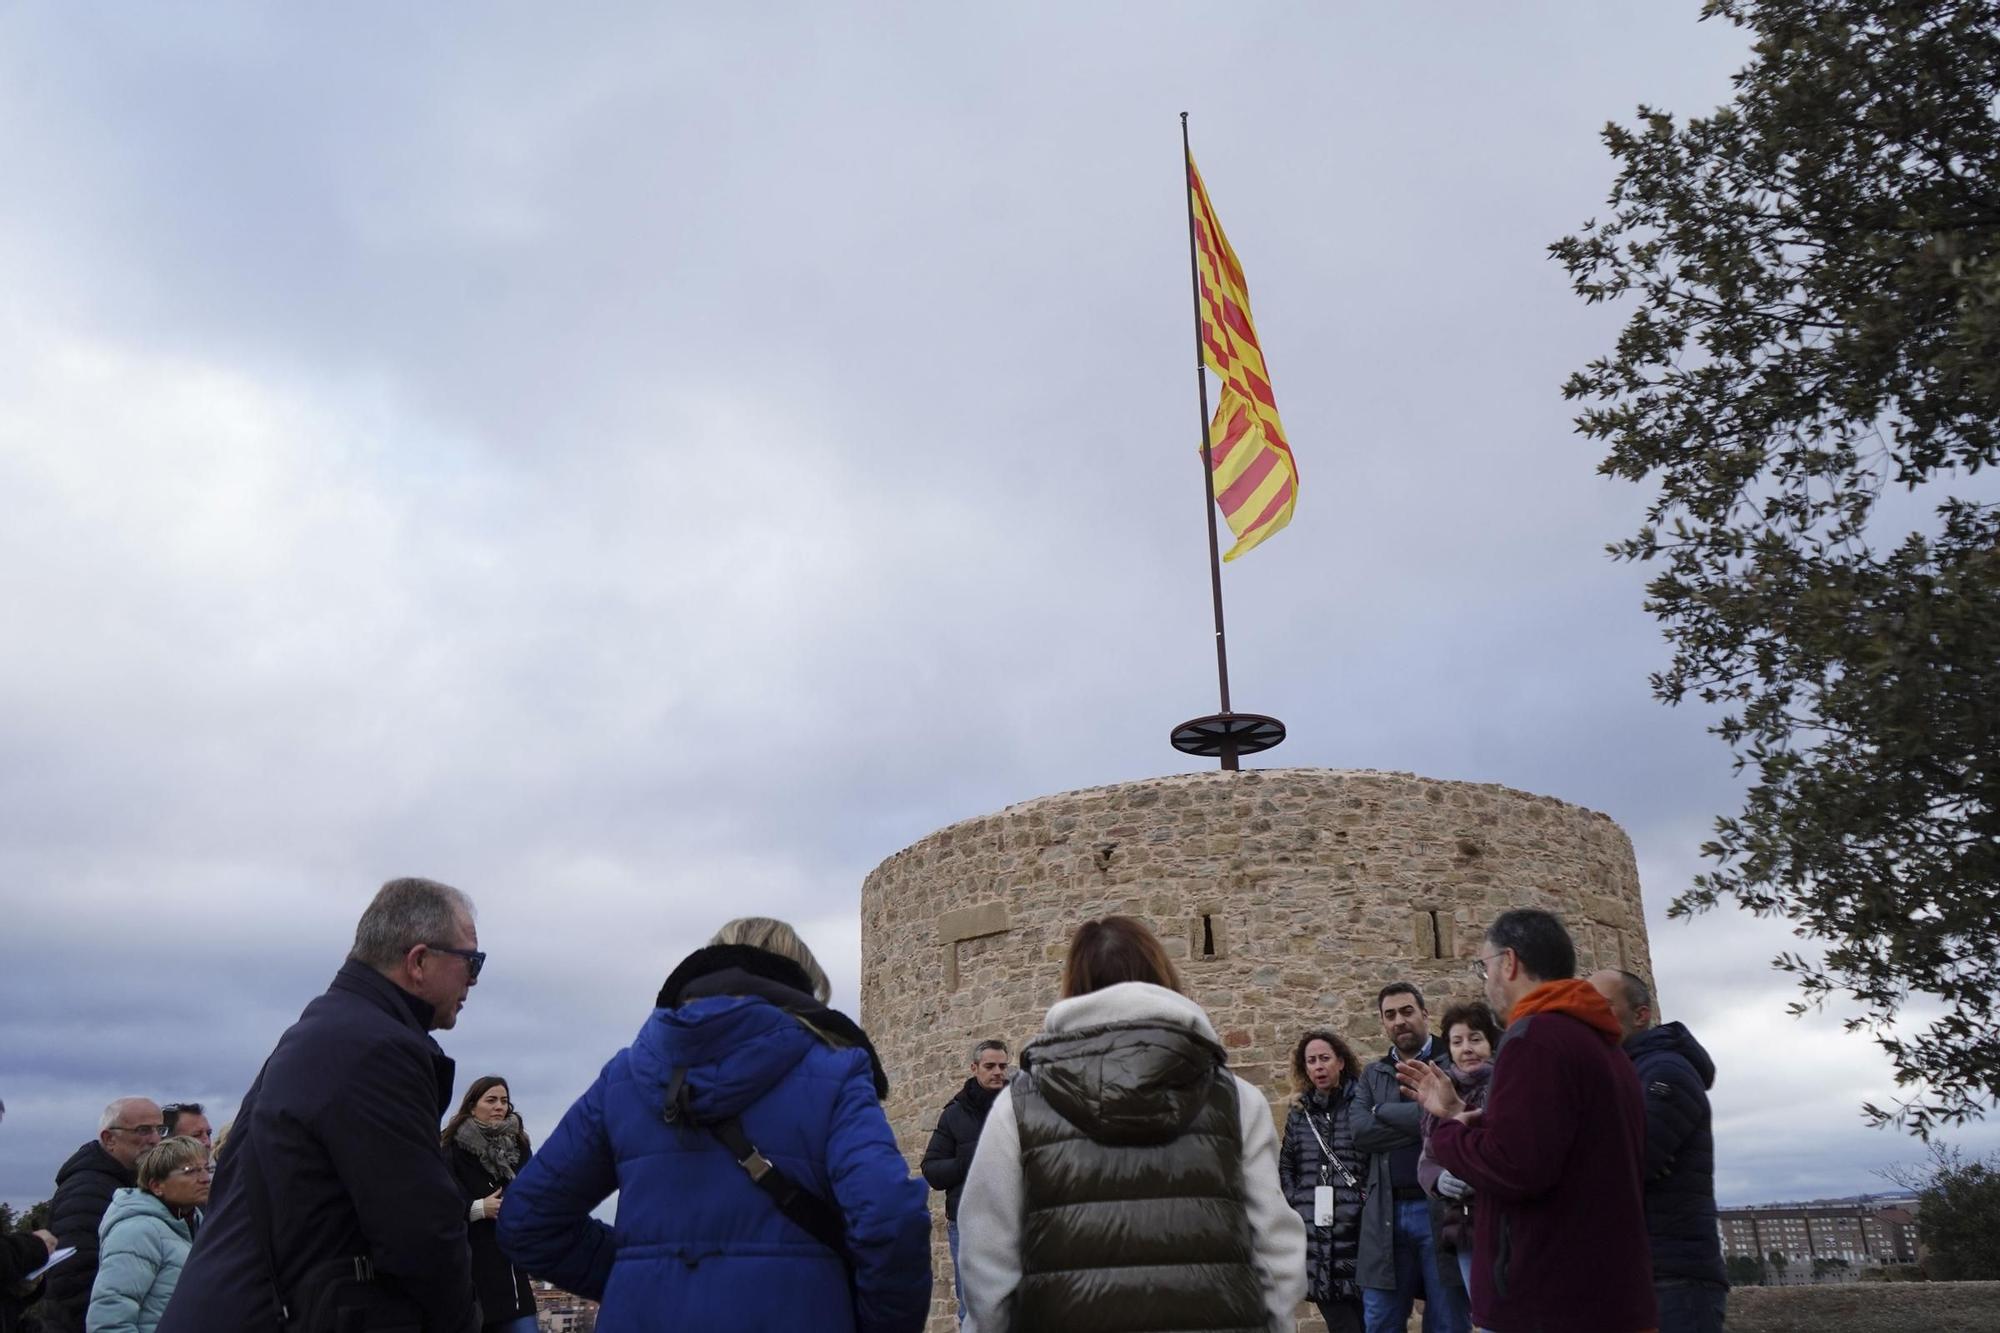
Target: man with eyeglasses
(1554,1158)
(332,1193)
(84,1186)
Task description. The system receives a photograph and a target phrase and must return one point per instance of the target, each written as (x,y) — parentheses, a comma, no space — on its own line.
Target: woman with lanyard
(1322,1171)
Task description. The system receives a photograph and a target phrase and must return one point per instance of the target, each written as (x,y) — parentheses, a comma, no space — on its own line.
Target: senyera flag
(1256,481)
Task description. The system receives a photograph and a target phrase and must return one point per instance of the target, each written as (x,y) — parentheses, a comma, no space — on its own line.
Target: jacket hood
(92,1159)
(130,1203)
(733,1049)
(1129,1064)
(1676,1039)
(1578,999)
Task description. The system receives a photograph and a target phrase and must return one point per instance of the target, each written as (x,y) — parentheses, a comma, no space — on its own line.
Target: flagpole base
(1228,736)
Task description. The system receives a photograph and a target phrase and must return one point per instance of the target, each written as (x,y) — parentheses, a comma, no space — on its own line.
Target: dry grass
(1868,1307)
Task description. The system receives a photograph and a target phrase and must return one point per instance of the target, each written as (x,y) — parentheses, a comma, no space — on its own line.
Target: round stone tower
(1287,897)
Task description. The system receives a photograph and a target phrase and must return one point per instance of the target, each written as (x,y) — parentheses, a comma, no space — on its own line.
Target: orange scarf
(1578,999)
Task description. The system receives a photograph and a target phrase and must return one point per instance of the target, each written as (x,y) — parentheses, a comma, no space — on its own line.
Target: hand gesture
(1430,1086)
(48,1239)
(489,1207)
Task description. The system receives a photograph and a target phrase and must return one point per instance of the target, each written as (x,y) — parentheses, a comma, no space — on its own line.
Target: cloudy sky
(647,467)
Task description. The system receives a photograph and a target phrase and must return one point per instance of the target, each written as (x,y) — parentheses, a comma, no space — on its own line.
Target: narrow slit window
(1437,935)
(1207,936)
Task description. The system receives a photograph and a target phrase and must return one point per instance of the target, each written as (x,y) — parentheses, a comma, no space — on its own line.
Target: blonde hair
(774,936)
(158,1163)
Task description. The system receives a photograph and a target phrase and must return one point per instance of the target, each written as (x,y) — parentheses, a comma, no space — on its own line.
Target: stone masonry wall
(1286,896)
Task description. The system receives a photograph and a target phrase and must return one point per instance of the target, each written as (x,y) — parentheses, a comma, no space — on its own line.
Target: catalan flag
(1256,481)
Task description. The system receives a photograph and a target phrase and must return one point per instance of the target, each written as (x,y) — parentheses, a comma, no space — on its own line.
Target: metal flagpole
(1225,734)
(1207,472)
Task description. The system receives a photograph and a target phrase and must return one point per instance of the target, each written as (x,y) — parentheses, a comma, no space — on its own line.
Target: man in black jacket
(84,1185)
(333,1158)
(948,1159)
(21,1253)
(1675,1074)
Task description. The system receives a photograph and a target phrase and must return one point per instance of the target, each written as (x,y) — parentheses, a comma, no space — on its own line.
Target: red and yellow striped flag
(1256,481)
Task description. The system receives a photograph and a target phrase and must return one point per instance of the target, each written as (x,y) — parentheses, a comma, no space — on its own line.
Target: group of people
(1516,1170)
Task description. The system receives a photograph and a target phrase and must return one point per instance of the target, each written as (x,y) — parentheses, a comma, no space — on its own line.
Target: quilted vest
(1132,1172)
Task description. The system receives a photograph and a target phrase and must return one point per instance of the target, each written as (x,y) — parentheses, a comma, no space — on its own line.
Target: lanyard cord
(1326,1153)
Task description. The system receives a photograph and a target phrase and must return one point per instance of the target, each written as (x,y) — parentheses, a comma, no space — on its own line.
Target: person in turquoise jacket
(741,1039)
(145,1238)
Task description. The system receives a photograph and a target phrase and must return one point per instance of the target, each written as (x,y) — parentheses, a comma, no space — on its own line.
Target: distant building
(559,1312)
(1845,1235)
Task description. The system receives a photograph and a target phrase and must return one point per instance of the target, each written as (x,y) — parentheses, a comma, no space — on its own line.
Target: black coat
(1331,1252)
(338,1137)
(84,1187)
(504,1293)
(21,1253)
(948,1159)
(1675,1073)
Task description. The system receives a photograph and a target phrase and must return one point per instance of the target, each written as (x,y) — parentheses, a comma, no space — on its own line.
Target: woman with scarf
(1318,1152)
(487,1148)
(1473,1034)
(759,1184)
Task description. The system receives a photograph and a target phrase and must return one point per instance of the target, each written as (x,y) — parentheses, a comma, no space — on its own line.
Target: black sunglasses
(474,959)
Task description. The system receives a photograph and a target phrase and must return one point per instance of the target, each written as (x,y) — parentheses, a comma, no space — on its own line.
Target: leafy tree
(1817,271)
(35,1219)
(1745,1270)
(1779,1263)
(1958,1213)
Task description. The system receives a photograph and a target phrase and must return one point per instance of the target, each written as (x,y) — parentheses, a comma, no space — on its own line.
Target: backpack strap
(812,1214)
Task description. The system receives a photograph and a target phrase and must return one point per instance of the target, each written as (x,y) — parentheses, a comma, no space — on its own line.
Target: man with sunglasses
(84,1186)
(332,1194)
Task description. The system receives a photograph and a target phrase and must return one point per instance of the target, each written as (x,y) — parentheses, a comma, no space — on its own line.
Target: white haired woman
(145,1238)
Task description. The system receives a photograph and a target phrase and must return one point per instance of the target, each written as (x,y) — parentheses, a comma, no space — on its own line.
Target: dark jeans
(1340,1316)
(1387,1310)
(1691,1307)
(957,1283)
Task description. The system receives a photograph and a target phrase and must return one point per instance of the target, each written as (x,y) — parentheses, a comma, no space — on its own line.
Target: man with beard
(948,1159)
(1399,1254)
(84,1186)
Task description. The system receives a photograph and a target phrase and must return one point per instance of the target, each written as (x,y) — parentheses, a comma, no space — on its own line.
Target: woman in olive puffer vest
(1127,1180)
(1321,1123)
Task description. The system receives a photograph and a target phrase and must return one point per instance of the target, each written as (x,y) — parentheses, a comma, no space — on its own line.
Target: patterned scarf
(498,1147)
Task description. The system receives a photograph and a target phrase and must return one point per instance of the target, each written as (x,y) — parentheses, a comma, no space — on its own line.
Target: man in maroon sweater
(1554,1160)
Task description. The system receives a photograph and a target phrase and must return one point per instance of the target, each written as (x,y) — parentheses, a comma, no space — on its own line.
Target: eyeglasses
(474,959)
(1479,964)
(156,1131)
(205,1169)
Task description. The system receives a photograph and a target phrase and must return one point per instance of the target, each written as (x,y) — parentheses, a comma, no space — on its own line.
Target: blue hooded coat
(696,1244)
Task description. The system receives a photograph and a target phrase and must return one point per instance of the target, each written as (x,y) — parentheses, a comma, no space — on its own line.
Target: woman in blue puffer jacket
(741,1040)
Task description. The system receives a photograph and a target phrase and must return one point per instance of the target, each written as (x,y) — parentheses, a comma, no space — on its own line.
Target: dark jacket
(1675,1075)
(504,1291)
(21,1253)
(1559,1228)
(336,1143)
(1385,1120)
(84,1187)
(1331,1252)
(949,1155)
(698,1245)
(1175,1252)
